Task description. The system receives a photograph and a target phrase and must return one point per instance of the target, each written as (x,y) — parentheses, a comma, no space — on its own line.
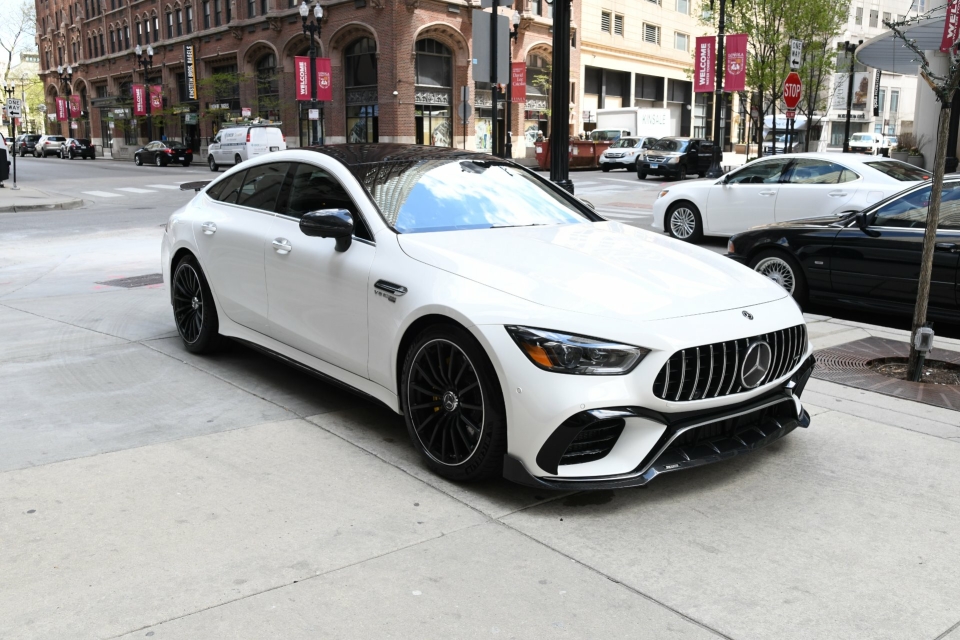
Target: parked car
(77,148)
(233,145)
(450,286)
(623,153)
(676,158)
(608,135)
(163,153)
(26,143)
(48,145)
(778,189)
(866,260)
(871,143)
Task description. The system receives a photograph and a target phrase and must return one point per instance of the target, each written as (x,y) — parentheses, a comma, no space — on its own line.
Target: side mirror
(863,222)
(329,223)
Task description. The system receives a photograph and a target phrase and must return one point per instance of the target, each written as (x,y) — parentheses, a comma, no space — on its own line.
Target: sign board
(791,114)
(464,110)
(704,65)
(14,107)
(245,112)
(314,114)
(518,82)
(792,89)
(876,95)
(190,71)
(796,54)
(480,52)
(73,125)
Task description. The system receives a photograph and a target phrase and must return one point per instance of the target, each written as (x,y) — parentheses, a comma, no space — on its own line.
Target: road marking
(135,190)
(165,186)
(102,194)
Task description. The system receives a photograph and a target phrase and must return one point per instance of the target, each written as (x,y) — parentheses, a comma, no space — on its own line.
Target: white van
(233,145)
(871,143)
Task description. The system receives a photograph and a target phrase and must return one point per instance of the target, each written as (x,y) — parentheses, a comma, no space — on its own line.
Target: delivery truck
(638,121)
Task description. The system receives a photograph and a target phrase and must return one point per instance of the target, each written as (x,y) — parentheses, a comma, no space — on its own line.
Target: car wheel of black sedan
(193,308)
(684,222)
(453,406)
(159,161)
(186,164)
(641,175)
(137,160)
(782,269)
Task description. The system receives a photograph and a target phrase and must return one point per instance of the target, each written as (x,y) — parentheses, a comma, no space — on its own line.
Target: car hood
(604,268)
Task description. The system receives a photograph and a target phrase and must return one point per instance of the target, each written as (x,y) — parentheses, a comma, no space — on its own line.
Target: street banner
(705,64)
(139,100)
(736,52)
(156,97)
(876,95)
(61,109)
(324,80)
(951,26)
(518,82)
(190,71)
(301,65)
(75,105)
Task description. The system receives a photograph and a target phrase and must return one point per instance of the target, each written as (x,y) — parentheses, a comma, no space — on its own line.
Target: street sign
(792,88)
(464,110)
(791,114)
(245,112)
(13,107)
(796,54)
(314,114)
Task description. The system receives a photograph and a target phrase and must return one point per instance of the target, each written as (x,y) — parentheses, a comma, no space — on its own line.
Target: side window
(848,176)
(313,189)
(231,188)
(262,185)
(808,171)
(908,212)
(215,190)
(766,172)
(216,138)
(950,206)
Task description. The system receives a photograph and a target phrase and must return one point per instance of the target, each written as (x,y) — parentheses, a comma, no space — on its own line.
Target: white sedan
(778,189)
(517,332)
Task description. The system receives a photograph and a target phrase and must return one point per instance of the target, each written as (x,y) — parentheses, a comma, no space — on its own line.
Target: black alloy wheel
(158,161)
(453,406)
(137,160)
(194,311)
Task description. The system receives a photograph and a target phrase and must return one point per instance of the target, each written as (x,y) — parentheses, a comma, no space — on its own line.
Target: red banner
(324,80)
(518,82)
(75,106)
(156,97)
(951,26)
(736,52)
(705,64)
(301,66)
(139,100)
(61,109)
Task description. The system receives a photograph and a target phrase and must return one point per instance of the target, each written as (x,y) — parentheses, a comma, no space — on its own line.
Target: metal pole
(846,126)
(508,145)
(715,170)
(313,83)
(494,129)
(13,130)
(560,98)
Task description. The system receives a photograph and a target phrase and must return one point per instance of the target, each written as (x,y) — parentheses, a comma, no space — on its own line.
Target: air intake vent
(593,442)
(713,370)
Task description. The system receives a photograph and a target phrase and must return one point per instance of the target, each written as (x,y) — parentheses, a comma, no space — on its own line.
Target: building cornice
(631,55)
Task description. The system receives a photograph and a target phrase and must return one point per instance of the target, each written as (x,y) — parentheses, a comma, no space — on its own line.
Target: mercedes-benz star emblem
(450,401)
(756,364)
(747,315)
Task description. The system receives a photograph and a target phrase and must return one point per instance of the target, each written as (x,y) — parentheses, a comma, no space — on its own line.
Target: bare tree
(18,26)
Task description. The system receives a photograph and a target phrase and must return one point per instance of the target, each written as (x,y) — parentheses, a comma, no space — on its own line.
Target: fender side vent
(593,442)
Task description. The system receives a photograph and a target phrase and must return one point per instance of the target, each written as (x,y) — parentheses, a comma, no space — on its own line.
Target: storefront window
(434,79)
(360,69)
(268,88)
(535,120)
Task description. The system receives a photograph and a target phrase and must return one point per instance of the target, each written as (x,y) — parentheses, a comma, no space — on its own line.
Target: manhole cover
(849,364)
(135,281)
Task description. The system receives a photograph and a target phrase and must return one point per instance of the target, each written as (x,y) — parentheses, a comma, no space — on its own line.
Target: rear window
(177,145)
(56,138)
(899,170)
(32,138)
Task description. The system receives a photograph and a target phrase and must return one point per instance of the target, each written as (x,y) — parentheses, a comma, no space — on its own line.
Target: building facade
(398,68)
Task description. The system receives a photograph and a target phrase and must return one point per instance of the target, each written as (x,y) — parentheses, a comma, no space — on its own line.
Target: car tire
(683,222)
(641,175)
(605,168)
(194,311)
(159,161)
(23,153)
(783,269)
(186,164)
(459,440)
(137,160)
(212,163)
(682,174)
(237,159)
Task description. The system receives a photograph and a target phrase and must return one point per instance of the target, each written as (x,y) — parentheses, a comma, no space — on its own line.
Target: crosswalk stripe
(135,190)
(165,186)
(103,194)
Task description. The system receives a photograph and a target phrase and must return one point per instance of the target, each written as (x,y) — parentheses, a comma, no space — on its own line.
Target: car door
(214,148)
(882,261)
(318,295)
(230,237)
(149,153)
(745,198)
(813,187)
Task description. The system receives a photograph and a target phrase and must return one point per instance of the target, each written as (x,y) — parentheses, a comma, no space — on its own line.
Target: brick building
(397,68)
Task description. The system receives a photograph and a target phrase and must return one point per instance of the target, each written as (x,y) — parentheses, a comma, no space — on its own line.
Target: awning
(888,52)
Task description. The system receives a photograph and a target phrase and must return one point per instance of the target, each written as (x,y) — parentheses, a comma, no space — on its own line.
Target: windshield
(862,137)
(449,194)
(670,145)
(625,143)
(899,170)
(604,134)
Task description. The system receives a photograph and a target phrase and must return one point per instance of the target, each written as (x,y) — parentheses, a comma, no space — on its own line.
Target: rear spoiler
(194,186)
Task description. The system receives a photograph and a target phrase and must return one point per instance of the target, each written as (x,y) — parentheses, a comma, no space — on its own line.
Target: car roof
(843,158)
(356,155)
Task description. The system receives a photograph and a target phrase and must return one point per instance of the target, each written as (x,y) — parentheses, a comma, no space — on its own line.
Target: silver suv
(48,145)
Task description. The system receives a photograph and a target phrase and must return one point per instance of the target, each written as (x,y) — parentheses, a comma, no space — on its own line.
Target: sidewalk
(30,199)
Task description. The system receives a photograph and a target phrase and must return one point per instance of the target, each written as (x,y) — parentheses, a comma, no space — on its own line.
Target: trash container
(4,165)
(543,155)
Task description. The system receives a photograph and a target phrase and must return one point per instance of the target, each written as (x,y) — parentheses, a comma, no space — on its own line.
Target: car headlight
(566,353)
(663,193)
(673,159)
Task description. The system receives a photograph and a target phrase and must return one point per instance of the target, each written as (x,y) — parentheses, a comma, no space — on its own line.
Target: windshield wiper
(510,226)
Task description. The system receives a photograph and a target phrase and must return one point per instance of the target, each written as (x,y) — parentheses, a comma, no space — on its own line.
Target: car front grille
(614,155)
(593,442)
(656,159)
(713,370)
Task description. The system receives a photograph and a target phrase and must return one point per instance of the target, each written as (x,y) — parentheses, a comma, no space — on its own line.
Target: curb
(23,208)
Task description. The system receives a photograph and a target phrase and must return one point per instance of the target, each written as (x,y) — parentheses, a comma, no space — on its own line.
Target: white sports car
(516,331)
(778,189)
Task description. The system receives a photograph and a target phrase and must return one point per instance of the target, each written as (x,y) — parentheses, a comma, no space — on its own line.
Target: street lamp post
(65,75)
(9,91)
(146,62)
(313,29)
(715,170)
(849,48)
(514,33)
(560,98)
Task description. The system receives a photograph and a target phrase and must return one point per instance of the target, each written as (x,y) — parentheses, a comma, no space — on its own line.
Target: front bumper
(662,169)
(689,439)
(627,161)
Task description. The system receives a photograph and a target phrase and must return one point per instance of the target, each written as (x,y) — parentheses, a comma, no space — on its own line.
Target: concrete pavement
(148,492)
(25,198)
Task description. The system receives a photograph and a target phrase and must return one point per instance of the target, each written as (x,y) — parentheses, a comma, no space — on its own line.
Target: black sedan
(866,260)
(77,148)
(163,153)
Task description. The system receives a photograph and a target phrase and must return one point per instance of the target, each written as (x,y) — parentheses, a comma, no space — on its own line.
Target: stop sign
(791,90)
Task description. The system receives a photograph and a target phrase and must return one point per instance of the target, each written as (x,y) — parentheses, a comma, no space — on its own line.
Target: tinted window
(899,170)
(809,171)
(310,188)
(232,188)
(216,189)
(83,141)
(910,211)
(262,185)
(766,172)
(32,138)
(670,145)
(56,138)
(177,145)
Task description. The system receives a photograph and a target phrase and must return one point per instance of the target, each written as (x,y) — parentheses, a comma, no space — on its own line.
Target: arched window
(139,29)
(268,88)
(434,92)
(360,69)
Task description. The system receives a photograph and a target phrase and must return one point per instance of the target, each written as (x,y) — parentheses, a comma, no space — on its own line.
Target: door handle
(209,228)
(768,193)
(837,194)
(950,247)
(282,246)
